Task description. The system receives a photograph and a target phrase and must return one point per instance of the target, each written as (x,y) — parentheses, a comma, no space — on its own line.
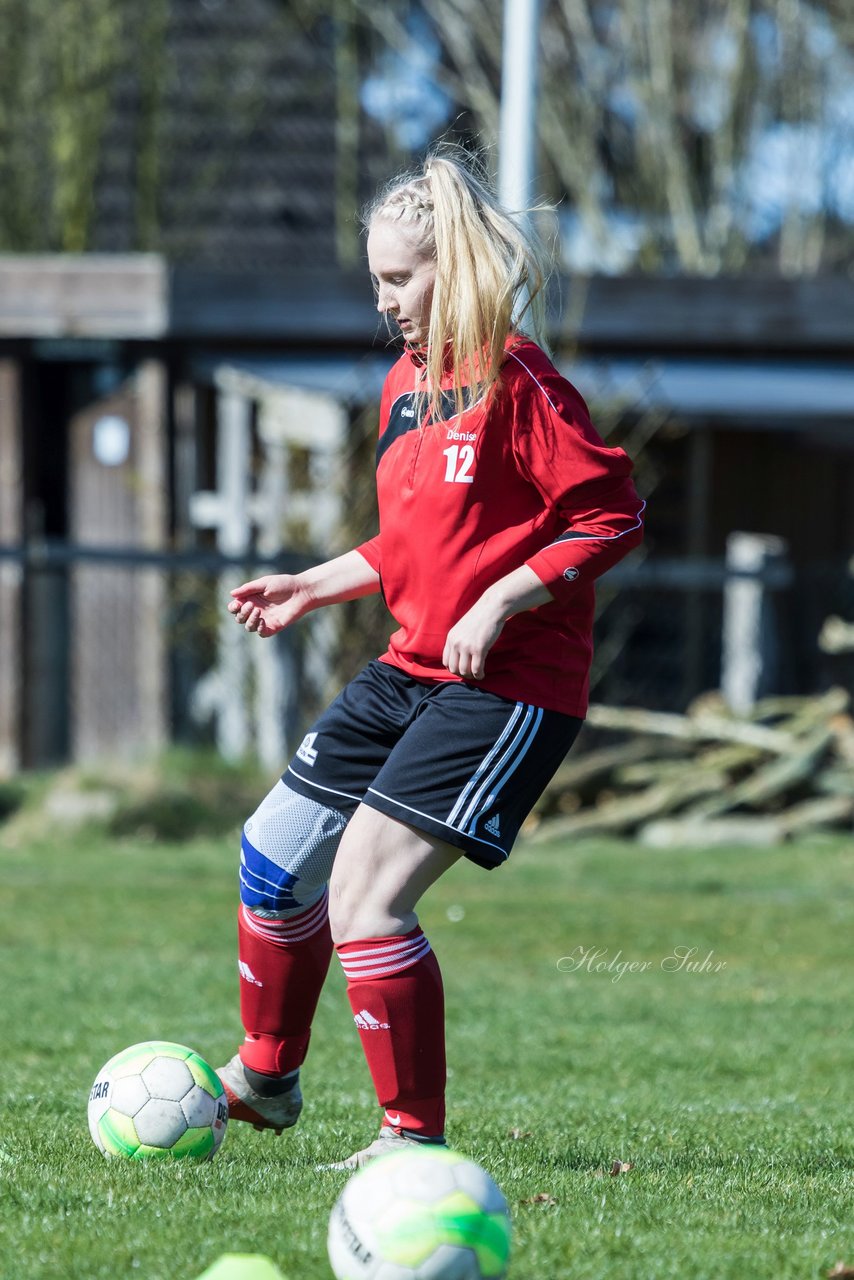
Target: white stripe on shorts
(512,767)
(484,764)
(499,766)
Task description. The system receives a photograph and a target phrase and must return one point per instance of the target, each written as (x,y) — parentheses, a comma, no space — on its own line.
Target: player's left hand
(470,640)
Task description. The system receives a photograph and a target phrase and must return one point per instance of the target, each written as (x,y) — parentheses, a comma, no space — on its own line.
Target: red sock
(395,990)
(282,966)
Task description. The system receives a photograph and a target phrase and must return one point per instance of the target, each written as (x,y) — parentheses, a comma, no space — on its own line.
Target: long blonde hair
(491,268)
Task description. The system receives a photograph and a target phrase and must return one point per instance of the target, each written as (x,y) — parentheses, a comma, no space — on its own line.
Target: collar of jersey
(418,354)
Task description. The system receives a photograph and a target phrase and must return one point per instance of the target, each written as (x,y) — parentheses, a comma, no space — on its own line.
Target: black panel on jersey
(402,417)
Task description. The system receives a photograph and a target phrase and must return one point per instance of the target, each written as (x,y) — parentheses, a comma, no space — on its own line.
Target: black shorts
(450,759)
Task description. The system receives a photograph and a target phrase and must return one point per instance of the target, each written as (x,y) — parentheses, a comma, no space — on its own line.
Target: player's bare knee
(354,922)
(370,899)
(346,905)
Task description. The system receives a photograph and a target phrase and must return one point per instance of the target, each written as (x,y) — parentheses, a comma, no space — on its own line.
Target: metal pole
(518,119)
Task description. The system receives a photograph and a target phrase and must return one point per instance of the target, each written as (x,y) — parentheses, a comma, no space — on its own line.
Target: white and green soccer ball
(421,1214)
(157,1099)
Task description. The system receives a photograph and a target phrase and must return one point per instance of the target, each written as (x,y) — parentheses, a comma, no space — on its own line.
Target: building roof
(776,395)
(140,296)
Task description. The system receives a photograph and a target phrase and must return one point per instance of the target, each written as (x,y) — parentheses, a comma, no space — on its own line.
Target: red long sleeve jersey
(465,501)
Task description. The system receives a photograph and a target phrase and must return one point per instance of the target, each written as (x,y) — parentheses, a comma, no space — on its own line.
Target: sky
(805,166)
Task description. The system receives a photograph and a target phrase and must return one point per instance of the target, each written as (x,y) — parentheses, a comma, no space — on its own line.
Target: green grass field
(726,1087)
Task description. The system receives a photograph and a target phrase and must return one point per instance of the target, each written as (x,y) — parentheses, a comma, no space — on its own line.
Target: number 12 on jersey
(459,464)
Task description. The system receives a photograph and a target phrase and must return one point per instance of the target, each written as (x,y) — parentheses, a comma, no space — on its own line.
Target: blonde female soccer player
(498,507)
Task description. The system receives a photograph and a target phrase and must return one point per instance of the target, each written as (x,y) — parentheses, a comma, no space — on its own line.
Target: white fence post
(233,537)
(751,643)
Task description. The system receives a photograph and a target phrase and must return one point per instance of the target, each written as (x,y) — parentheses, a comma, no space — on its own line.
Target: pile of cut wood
(707,777)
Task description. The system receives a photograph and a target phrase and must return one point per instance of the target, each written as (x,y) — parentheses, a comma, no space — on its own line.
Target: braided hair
(491,268)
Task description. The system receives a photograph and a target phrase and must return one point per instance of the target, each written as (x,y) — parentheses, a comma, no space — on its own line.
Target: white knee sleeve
(286,856)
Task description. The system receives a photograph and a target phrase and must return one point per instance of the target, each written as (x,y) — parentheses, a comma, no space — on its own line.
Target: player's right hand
(267,605)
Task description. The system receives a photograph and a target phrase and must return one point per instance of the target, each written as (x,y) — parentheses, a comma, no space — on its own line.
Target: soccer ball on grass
(157,1099)
(424,1214)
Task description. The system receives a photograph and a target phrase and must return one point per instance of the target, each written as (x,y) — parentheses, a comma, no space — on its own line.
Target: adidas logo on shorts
(493,826)
(306,751)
